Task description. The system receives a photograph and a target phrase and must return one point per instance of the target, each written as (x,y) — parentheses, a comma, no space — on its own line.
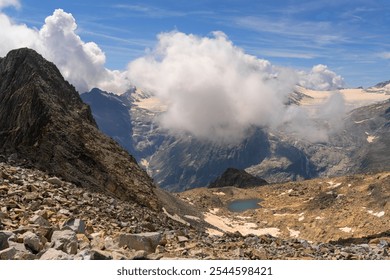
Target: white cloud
(8,3)
(321,78)
(213,89)
(81,63)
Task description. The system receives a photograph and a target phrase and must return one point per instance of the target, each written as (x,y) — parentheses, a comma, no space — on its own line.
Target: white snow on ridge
(354,98)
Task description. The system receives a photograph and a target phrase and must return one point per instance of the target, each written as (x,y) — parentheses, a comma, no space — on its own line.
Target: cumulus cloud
(213,89)
(81,63)
(318,123)
(321,78)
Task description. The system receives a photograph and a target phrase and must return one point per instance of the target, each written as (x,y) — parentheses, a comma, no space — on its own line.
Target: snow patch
(219,193)
(144,163)
(333,185)
(371,139)
(346,229)
(376,214)
(226,224)
(294,233)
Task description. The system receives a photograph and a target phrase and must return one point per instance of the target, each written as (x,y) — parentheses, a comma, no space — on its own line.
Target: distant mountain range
(182,162)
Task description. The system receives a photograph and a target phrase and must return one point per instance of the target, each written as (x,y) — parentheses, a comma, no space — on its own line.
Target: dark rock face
(373,127)
(43,120)
(114,118)
(237,178)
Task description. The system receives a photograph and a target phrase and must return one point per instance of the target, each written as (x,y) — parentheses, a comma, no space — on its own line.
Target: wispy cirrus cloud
(321,33)
(150,11)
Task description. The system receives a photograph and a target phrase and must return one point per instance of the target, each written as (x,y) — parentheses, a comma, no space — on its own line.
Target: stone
(21,252)
(3,215)
(53,254)
(83,241)
(32,242)
(4,236)
(182,239)
(77,225)
(118,256)
(8,254)
(65,240)
(260,254)
(39,220)
(147,241)
(54,181)
(31,196)
(160,249)
(109,243)
(239,252)
(154,257)
(139,255)
(84,254)
(97,254)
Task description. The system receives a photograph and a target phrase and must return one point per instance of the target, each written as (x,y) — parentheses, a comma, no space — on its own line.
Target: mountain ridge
(43,120)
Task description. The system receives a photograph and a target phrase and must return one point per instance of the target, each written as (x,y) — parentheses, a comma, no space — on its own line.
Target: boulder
(39,220)
(53,254)
(32,242)
(65,240)
(147,241)
(4,236)
(237,178)
(97,254)
(21,252)
(54,181)
(8,254)
(77,225)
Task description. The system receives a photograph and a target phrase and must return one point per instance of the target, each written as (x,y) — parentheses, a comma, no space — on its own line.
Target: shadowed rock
(43,120)
(237,178)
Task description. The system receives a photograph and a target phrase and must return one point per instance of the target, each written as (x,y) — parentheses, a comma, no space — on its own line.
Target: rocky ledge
(44,217)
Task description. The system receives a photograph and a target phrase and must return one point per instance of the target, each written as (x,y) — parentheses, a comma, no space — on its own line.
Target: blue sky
(350,37)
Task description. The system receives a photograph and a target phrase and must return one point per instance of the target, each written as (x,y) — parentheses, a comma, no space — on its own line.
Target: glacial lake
(241,205)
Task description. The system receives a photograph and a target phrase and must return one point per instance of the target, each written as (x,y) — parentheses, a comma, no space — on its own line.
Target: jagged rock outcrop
(44,121)
(237,178)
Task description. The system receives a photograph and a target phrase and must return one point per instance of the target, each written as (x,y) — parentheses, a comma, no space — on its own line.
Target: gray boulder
(77,225)
(147,241)
(65,240)
(32,242)
(4,236)
(39,220)
(8,254)
(53,254)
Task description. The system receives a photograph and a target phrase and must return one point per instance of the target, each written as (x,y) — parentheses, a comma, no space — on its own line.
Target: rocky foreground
(44,217)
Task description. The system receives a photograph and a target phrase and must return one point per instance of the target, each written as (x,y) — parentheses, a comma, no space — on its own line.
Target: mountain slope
(44,121)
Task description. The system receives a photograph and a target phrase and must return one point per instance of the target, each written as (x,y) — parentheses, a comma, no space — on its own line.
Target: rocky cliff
(44,122)
(237,178)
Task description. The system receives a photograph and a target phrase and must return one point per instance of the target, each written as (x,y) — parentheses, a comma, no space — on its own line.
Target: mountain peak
(237,178)
(43,120)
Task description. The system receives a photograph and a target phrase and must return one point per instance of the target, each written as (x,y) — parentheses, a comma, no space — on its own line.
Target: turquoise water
(243,204)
